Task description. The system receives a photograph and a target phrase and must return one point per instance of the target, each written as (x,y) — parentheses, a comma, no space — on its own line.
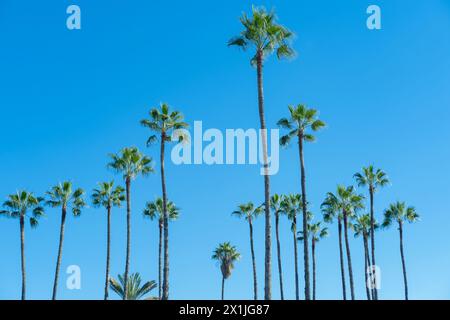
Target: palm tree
(362,227)
(348,203)
(154,210)
(317,233)
(17,206)
(400,213)
(164,122)
(275,205)
(63,196)
(302,120)
(131,163)
(135,290)
(374,179)
(226,255)
(249,213)
(265,36)
(107,196)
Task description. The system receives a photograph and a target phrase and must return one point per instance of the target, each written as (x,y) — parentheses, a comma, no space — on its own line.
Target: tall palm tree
(317,233)
(163,122)
(373,179)
(131,163)
(362,227)
(135,290)
(348,203)
(17,206)
(249,213)
(107,196)
(301,120)
(264,36)
(63,196)
(400,213)
(226,255)
(154,210)
(275,205)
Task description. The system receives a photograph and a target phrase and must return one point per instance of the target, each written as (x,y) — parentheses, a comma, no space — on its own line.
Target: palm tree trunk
(314,267)
(165,295)
(280,270)
(349,258)
(366,265)
(268,236)
(22,254)
(305,218)
(58,260)
(341,257)
(223,287)
(127,259)
(255,281)
(372,239)
(160,261)
(294,233)
(400,228)
(108,253)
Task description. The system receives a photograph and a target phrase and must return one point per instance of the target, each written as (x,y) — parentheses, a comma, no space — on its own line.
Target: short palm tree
(18,206)
(301,120)
(130,162)
(226,254)
(249,213)
(398,212)
(275,205)
(154,210)
(107,196)
(264,36)
(317,233)
(63,196)
(373,179)
(135,291)
(164,122)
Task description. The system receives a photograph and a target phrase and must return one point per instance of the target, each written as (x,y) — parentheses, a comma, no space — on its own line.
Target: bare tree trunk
(372,238)
(255,282)
(280,270)
(294,233)
(223,287)
(108,252)
(268,236)
(349,258)
(22,254)
(60,248)
(400,228)
(127,259)
(305,219)
(341,257)
(366,265)
(165,295)
(314,267)
(160,261)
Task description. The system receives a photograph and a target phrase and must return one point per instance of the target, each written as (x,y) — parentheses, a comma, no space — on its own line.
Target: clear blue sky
(69,98)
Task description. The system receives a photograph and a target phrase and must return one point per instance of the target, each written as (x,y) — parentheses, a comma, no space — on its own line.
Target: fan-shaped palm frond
(135,291)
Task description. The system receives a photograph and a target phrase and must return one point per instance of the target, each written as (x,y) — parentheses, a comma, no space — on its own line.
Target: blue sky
(69,98)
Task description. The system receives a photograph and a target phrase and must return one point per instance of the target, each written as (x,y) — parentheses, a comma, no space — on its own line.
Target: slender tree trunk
(349,258)
(160,261)
(255,281)
(341,257)
(372,239)
(314,267)
(366,265)
(165,295)
(268,236)
(280,270)
(127,259)
(58,260)
(22,254)
(108,252)
(294,233)
(305,219)
(223,287)
(400,228)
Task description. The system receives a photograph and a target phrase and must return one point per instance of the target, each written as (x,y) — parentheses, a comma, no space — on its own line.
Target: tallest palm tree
(263,35)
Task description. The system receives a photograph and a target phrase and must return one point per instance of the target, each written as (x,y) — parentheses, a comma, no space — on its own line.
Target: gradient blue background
(69,98)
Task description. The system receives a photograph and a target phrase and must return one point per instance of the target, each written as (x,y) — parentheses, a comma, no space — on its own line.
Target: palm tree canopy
(164,121)
(135,290)
(131,162)
(107,196)
(62,195)
(248,211)
(400,213)
(155,210)
(20,203)
(361,225)
(263,34)
(300,121)
(345,200)
(226,255)
(371,177)
(316,231)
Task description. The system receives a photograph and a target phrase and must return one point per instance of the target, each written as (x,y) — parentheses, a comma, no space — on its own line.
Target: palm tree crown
(316,231)
(131,162)
(371,178)
(154,210)
(248,211)
(62,195)
(20,203)
(107,196)
(400,213)
(226,254)
(361,225)
(345,200)
(135,290)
